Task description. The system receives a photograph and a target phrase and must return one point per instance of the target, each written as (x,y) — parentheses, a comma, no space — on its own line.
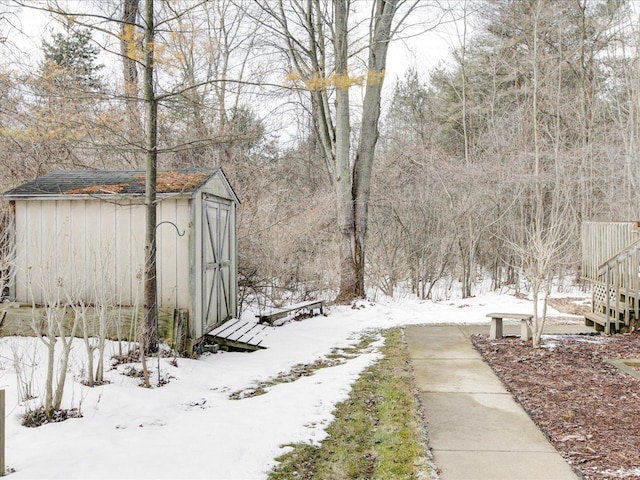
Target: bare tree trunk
(343,182)
(102,312)
(351,174)
(80,311)
(67,344)
(150,334)
(90,348)
(50,342)
(363,165)
(538,205)
(128,50)
(463,92)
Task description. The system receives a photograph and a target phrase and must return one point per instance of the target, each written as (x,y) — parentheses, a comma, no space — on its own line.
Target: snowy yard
(190,428)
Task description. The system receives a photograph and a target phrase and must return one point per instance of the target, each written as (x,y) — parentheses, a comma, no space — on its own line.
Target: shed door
(216,269)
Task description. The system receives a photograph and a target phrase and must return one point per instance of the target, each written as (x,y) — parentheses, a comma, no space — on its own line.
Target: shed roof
(111,182)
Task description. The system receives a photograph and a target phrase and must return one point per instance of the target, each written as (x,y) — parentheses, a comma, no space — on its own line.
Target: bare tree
(542,242)
(318,41)
(150,336)
(95,320)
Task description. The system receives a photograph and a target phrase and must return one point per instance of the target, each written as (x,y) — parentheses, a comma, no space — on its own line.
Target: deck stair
(616,292)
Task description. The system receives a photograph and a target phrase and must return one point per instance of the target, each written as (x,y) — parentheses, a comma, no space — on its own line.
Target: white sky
(417,46)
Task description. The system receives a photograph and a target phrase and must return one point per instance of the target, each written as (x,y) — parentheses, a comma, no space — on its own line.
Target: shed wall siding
(216,186)
(92,246)
(173,253)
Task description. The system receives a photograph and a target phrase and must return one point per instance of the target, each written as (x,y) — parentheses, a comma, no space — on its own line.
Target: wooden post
(180,329)
(607,283)
(2,426)
(634,279)
(616,286)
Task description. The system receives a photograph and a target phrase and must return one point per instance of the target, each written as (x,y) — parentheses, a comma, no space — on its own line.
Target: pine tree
(71,60)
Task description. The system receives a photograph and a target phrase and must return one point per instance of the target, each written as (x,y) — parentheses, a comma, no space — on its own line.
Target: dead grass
(377,433)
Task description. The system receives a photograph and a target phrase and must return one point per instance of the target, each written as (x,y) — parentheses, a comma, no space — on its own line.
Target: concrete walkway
(476,431)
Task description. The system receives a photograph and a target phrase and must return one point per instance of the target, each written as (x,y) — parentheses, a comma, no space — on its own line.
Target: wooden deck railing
(602,241)
(616,292)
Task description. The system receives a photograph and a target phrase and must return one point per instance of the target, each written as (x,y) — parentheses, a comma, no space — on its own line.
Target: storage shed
(84,232)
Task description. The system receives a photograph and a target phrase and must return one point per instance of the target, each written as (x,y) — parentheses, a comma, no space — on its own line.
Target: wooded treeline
(485,167)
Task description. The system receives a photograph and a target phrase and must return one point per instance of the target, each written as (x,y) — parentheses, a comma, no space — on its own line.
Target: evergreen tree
(71,60)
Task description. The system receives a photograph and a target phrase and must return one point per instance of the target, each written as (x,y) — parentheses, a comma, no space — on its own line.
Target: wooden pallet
(240,334)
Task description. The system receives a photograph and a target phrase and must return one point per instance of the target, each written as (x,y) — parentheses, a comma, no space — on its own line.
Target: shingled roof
(110,182)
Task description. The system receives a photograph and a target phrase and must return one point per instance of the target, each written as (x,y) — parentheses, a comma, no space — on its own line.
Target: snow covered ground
(190,428)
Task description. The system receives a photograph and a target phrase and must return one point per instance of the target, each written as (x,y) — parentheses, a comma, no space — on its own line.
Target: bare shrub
(52,323)
(25,365)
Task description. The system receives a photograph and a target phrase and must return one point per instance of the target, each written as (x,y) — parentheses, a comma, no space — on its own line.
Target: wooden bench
(496,324)
(276,314)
